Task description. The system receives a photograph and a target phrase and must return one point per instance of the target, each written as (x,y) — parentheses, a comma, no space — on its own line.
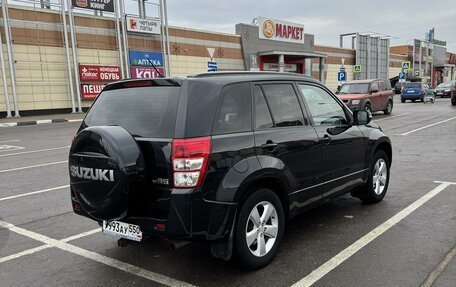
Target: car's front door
(375,96)
(343,145)
(285,141)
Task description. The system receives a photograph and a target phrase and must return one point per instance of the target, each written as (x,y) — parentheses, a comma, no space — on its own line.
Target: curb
(38,122)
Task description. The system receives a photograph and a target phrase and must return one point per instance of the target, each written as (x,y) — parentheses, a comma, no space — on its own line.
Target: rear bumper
(190,217)
(412,96)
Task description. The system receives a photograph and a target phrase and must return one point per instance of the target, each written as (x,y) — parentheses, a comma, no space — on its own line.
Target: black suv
(223,157)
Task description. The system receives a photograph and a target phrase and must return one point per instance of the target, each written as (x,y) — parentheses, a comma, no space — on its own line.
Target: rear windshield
(413,85)
(144,111)
(354,89)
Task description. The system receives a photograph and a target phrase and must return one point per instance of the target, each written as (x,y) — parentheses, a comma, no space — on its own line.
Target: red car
(372,95)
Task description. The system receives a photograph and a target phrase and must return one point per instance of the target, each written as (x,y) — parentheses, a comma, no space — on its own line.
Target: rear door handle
(326,139)
(269,145)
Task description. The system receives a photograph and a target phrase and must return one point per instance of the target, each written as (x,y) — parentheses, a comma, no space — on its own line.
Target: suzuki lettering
(90,173)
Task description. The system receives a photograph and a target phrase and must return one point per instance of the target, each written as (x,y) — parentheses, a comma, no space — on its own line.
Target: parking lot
(408,239)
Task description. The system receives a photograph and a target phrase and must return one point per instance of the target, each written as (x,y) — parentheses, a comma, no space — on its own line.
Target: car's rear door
(343,145)
(285,142)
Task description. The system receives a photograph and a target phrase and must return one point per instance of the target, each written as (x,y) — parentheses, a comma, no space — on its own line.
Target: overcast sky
(325,19)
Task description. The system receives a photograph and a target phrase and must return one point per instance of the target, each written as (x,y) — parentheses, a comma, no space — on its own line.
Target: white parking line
(73,121)
(33,151)
(33,166)
(23,253)
(390,117)
(46,246)
(428,126)
(80,235)
(10,141)
(126,267)
(34,192)
(345,254)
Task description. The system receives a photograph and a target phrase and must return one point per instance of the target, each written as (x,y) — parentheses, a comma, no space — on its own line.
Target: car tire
(368,107)
(377,183)
(453,101)
(402,100)
(247,251)
(389,108)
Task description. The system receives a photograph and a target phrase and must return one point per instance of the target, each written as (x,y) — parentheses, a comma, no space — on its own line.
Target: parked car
(416,91)
(372,95)
(223,157)
(446,89)
(398,87)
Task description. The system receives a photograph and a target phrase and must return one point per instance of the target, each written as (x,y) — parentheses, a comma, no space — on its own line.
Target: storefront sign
(91,91)
(102,5)
(280,31)
(149,26)
(138,58)
(93,73)
(145,72)
(275,67)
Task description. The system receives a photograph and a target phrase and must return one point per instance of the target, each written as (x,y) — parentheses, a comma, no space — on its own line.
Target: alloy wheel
(262,228)
(379,176)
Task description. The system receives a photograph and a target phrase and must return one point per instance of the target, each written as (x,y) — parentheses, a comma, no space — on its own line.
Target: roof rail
(243,73)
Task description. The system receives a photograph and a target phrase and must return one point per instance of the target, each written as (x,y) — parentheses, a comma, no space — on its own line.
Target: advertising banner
(138,58)
(141,25)
(145,72)
(95,73)
(280,31)
(101,5)
(91,91)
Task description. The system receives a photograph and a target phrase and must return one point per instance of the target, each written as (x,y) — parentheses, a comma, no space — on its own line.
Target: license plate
(122,229)
(439,93)
(409,92)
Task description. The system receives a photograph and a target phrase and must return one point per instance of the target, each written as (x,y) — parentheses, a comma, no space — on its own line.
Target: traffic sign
(342,69)
(357,69)
(402,75)
(342,76)
(211,66)
(406,65)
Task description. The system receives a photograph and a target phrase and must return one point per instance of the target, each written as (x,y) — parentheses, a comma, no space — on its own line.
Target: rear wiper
(155,68)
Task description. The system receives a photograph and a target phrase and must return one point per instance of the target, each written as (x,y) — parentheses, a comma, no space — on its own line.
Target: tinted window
(324,109)
(284,105)
(382,85)
(145,112)
(234,111)
(263,118)
(354,89)
(413,85)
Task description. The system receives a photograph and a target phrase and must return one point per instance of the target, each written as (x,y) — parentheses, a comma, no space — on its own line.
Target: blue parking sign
(211,66)
(342,76)
(401,75)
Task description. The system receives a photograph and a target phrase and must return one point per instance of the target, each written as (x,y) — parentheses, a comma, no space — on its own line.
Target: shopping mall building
(46,79)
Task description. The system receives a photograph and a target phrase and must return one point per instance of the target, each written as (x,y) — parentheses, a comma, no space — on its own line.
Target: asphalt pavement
(408,239)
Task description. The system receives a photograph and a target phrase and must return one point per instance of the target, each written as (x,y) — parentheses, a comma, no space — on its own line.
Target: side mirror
(374,91)
(336,92)
(362,117)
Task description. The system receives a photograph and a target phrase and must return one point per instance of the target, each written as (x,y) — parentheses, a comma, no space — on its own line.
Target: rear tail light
(189,159)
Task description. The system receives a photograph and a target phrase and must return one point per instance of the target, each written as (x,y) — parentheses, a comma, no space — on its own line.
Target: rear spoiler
(136,83)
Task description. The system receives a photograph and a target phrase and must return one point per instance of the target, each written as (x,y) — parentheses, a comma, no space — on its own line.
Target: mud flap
(224,249)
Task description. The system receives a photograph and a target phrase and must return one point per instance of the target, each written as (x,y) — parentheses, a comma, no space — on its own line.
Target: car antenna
(156,70)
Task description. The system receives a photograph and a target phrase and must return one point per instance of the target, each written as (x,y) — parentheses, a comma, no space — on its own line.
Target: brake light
(137,84)
(189,159)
